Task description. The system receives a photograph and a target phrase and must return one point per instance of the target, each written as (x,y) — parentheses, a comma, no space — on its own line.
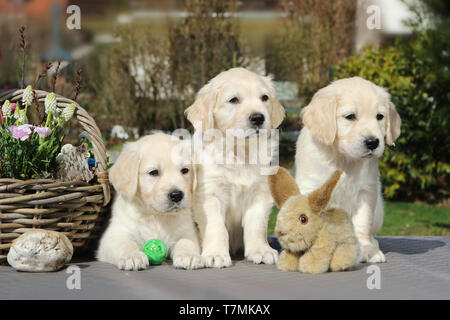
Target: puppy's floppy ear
(318,200)
(393,124)
(278,114)
(194,169)
(124,173)
(194,178)
(282,186)
(320,116)
(200,113)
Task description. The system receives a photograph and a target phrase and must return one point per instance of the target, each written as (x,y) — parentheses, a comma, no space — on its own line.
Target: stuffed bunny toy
(314,238)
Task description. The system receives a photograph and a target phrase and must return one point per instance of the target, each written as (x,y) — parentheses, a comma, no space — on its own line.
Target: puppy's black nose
(372,143)
(256,119)
(176,195)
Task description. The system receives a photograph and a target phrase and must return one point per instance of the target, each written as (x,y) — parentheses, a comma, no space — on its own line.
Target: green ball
(155,250)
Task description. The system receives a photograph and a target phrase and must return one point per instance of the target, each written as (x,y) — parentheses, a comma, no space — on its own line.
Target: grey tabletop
(416,268)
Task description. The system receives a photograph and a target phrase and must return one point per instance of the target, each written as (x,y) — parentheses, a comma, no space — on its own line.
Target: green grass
(116,147)
(406,219)
(403,218)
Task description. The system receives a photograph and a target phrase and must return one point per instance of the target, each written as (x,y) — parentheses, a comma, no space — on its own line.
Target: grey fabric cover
(416,268)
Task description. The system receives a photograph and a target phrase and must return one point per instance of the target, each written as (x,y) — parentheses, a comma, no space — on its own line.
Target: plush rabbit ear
(282,186)
(318,200)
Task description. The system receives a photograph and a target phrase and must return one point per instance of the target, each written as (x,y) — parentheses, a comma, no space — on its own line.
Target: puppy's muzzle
(256,119)
(175,195)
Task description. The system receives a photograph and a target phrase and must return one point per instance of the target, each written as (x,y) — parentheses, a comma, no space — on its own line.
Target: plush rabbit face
(297,225)
(300,217)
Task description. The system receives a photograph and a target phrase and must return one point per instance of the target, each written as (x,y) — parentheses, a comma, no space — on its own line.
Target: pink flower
(13,107)
(21,132)
(42,131)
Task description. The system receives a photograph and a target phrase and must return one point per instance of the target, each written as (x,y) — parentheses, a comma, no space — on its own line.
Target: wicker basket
(72,208)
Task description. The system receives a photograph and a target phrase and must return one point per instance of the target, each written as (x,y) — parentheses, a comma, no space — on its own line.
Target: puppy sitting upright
(346,126)
(154,183)
(233,202)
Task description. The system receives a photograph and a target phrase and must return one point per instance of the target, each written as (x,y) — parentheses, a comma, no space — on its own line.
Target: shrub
(419,166)
(314,36)
(149,80)
(205,43)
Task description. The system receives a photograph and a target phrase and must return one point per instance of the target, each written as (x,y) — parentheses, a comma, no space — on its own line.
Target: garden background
(142,62)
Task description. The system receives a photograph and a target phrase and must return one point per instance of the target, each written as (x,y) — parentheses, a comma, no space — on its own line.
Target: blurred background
(142,62)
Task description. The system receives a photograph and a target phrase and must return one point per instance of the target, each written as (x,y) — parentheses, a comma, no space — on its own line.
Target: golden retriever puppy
(154,185)
(346,126)
(232,202)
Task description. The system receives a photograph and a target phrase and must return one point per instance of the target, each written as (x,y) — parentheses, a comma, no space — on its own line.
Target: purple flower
(42,131)
(21,132)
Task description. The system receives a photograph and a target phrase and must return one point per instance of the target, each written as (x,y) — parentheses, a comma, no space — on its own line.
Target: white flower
(68,112)
(56,116)
(22,116)
(27,96)
(7,109)
(50,103)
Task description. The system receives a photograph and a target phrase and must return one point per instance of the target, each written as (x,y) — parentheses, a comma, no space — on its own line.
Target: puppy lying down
(154,182)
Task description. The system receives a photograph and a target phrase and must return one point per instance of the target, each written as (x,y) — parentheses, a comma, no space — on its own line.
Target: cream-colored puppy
(154,184)
(346,126)
(232,202)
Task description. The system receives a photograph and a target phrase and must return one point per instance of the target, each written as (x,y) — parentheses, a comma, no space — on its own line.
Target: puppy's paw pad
(188,262)
(217,261)
(264,255)
(136,260)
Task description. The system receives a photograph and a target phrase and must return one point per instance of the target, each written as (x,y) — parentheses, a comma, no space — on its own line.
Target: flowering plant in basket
(29,149)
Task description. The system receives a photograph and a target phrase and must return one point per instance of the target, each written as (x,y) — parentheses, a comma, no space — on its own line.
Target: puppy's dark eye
(351,117)
(265,97)
(303,219)
(380,117)
(154,173)
(184,170)
(234,100)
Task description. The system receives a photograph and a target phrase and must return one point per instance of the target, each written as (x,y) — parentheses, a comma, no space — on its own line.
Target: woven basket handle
(87,123)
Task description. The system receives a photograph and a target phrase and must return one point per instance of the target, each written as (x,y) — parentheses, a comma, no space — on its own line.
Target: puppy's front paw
(264,254)
(372,254)
(188,262)
(135,260)
(377,257)
(217,260)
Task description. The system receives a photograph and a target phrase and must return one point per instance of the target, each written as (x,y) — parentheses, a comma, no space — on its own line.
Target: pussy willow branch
(43,73)
(55,76)
(23,46)
(78,85)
